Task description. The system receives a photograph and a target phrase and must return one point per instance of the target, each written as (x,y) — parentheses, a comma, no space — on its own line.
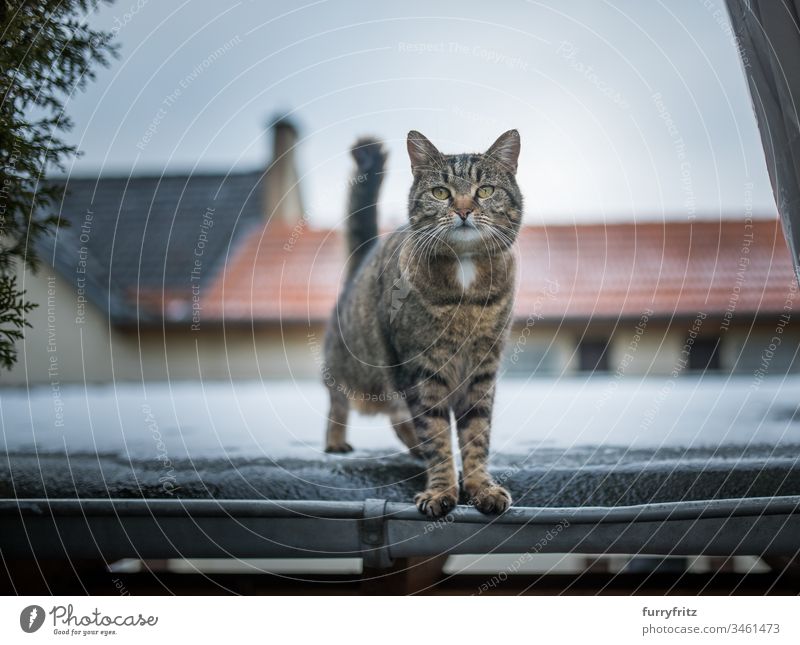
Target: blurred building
(220,276)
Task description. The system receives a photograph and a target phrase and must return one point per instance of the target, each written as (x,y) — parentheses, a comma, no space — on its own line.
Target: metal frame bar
(381,531)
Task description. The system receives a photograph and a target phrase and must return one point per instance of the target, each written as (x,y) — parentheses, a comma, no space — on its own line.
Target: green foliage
(13,308)
(47,52)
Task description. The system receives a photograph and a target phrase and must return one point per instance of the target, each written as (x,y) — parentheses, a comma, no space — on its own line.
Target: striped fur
(411,338)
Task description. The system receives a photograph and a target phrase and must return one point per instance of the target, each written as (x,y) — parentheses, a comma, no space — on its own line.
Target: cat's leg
(432,423)
(404,429)
(336,434)
(473,419)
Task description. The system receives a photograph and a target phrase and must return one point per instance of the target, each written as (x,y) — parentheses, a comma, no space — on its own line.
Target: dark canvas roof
(145,233)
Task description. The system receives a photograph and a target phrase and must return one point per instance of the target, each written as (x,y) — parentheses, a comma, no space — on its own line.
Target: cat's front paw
(338,448)
(490,498)
(436,502)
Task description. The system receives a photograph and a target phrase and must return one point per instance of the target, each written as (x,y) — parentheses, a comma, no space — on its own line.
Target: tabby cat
(420,324)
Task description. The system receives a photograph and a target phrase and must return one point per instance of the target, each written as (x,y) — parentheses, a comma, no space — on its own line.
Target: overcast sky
(627,109)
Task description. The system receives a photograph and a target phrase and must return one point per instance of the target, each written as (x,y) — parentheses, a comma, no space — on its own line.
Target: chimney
(282,202)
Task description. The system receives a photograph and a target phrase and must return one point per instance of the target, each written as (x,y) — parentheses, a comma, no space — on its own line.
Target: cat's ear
(505,150)
(423,154)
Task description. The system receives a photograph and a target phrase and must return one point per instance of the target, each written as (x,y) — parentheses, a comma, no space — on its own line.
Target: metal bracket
(372,535)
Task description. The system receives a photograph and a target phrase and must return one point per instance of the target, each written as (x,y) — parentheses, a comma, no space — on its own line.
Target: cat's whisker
(430,248)
(426,240)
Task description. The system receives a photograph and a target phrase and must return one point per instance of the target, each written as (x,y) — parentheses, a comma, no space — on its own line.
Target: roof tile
(566,272)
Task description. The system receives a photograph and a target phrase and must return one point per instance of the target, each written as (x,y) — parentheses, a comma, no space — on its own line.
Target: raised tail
(362,207)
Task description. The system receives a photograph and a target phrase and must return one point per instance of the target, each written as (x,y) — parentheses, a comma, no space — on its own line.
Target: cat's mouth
(463,223)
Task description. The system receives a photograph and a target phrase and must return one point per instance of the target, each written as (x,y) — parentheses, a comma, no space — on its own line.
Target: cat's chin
(466,240)
(464,235)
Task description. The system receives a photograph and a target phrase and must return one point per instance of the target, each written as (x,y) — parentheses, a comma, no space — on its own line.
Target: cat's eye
(440,192)
(485,191)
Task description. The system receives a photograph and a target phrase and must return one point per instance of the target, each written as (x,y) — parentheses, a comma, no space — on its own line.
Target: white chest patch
(466,272)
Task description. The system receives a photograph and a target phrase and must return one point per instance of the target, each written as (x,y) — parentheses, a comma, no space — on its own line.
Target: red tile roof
(566,272)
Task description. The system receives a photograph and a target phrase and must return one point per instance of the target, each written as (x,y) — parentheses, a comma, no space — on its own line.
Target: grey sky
(626,109)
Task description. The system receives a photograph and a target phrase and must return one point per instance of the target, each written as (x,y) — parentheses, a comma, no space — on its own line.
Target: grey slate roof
(135,234)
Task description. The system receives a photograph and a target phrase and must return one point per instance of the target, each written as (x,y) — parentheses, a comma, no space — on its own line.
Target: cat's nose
(463,213)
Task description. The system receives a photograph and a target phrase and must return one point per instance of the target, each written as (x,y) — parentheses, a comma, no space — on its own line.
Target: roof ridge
(122,176)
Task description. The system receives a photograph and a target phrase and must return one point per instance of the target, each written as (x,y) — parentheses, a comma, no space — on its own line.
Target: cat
(419,327)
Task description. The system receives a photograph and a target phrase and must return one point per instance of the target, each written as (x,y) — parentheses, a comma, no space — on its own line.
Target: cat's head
(465,203)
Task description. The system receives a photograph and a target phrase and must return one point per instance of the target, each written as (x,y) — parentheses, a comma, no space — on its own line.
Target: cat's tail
(362,206)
